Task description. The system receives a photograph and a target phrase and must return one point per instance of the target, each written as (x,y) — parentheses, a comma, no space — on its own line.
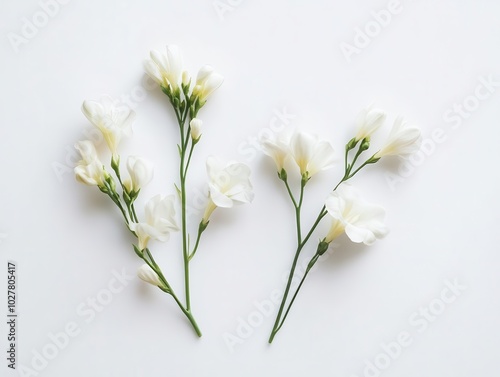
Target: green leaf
(177,190)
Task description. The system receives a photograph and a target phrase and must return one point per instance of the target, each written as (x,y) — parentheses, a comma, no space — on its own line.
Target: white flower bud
(141,173)
(195,125)
(147,274)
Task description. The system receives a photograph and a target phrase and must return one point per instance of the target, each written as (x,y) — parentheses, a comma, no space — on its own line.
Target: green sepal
(372,160)
(203,225)
(139,253)
(322,247)
(282,174)
(365,144)
(177,190)
(351,144)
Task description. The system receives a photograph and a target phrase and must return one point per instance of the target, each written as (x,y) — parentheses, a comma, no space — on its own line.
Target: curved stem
(290,192)
(309,267)
(285,294)
(201,228)
(152,263)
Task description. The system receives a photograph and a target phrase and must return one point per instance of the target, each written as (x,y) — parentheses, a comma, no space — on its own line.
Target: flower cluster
(229,183)
(166,68)
(348,212)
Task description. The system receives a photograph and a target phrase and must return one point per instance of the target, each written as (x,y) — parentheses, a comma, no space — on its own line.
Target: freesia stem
(152,263)
(278,322)
(301,243)
(312,262)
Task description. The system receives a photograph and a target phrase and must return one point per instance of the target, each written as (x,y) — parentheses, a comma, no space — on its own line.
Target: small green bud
(305,179)
(167,91)
(111,183)
(365,144)
(322,247)
(351,144)
(372,160)
(115,162)
(282,174)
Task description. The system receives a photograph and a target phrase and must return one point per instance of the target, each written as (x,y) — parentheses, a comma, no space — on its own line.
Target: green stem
(290,192)
(182,175)
(201,228)
(309,267)
(285,294)
(279,321)
(189,156)
(152,263)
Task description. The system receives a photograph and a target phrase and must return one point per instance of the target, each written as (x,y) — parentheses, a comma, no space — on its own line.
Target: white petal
(92,110)
(174,58)
(213,82)
(203,74)
(148,275)
(219,199)
(323,158)
(160,61)
(153,71)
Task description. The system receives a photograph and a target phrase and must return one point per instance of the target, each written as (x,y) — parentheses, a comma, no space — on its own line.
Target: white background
(276,56)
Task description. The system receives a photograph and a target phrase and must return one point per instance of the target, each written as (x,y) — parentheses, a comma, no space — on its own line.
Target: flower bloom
(160,221)
(165,68)
(89,169)
(361,221)
(402,140)
(140,171)
(195,125)
(229,184)
(111,120)
(369,121)
(148,275)
(206,83)
(311,154)
(277,147)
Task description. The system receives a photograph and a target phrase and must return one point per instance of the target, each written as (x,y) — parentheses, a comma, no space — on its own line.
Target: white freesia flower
(89,169)
(311,153)
(206,83)
(113,121)
(148,275)
(229,184)
(402,140)
(277,147)
(369,121)
(195,125)
(165,67)
(361,221)
(160,221)
(140,171)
